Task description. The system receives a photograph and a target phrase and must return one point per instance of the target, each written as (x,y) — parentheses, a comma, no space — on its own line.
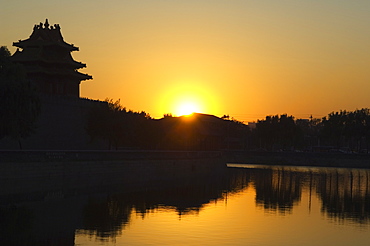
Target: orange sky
(244,58)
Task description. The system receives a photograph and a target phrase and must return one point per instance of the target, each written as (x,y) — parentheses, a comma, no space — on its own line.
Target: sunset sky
(244,58)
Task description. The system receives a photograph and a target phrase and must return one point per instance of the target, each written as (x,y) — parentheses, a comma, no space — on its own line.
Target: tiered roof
(46,52)
(44,34)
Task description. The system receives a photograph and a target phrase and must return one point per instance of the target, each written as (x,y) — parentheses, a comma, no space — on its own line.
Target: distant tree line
(277,132)
(125,129)
(120,127)
(345,131)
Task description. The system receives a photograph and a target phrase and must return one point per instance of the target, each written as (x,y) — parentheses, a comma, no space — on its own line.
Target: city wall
(48,175)
(60,178)
(61,124)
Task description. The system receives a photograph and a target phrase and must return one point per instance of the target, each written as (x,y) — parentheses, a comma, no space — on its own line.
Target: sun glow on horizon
(187,103)
(187,108)
(187,98)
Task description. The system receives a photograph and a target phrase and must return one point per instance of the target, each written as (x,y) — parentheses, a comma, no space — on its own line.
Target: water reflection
(106,218)
(15,225)
(343,195)
(277,189)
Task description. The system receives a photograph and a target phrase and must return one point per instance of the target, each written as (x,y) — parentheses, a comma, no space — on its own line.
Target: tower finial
(46,24)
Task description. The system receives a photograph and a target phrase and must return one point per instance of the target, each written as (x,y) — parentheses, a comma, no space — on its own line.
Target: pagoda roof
(59,73)
(38,55)
(44,34)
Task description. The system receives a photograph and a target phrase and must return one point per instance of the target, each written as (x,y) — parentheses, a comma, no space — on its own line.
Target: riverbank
(300,159)
(40,175)
(42,179)
(100,155)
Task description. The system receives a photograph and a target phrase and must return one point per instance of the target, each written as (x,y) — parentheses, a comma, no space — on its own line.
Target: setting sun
(187,108)
(186,104)
(185,97)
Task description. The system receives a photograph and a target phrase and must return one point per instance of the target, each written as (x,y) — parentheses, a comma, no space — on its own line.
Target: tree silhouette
(120,127)
(19,101)
(310,132)
(278,132)
(350,129)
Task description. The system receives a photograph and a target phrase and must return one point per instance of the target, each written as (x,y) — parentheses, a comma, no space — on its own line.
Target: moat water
(246,205)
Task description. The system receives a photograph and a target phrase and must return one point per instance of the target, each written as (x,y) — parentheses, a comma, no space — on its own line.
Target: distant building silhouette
(201,132)
(48,61)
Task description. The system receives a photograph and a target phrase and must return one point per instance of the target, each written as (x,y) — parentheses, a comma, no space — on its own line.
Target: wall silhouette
(61,125)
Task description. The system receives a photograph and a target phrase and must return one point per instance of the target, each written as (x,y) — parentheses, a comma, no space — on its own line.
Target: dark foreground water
(246,205)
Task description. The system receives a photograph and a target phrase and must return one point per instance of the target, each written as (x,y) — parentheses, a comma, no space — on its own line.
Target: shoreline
(312,159)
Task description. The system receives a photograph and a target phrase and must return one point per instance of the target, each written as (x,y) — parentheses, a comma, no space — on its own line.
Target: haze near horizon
(244,58)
